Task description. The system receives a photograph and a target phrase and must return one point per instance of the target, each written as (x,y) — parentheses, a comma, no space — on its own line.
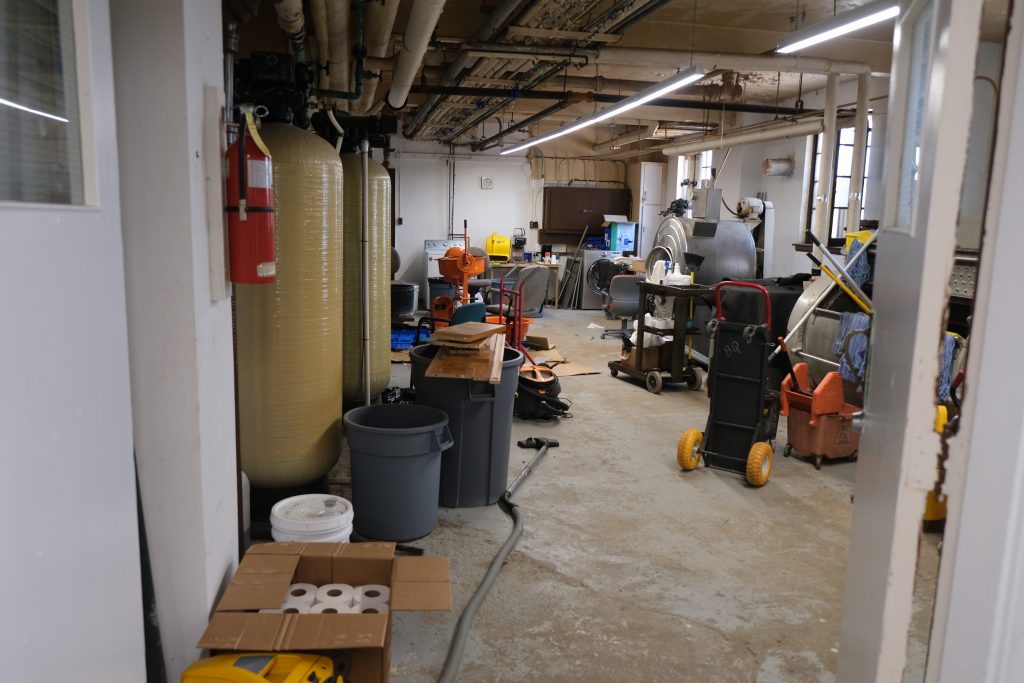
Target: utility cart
(744,413)
(680,366)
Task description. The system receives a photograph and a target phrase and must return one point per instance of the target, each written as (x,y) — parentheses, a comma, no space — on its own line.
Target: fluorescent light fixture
(681,79)
(839,25)
(22,107)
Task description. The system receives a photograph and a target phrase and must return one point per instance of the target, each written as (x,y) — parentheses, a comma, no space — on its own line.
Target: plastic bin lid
(311,513)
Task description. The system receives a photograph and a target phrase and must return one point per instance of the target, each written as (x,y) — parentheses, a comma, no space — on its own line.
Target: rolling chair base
(622,332)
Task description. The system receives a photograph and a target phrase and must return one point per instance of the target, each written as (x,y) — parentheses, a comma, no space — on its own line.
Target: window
(40,135)
(843,170)
(704,161)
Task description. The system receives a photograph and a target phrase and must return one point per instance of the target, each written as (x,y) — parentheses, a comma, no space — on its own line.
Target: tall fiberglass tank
(379,281)
(288,333)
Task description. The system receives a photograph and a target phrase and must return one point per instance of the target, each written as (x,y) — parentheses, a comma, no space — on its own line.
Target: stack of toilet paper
(334,598)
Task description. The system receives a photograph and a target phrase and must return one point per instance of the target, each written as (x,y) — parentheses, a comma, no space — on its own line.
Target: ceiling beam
(556,34)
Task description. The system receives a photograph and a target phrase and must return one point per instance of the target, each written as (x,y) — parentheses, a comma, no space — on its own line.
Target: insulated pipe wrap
(288,333)
(379,277)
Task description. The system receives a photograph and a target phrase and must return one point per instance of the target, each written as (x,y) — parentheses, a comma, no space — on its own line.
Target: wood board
(462,346)
(467,332)
(477,366)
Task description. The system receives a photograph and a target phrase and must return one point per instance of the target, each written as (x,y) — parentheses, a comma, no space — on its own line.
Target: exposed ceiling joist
(558,34)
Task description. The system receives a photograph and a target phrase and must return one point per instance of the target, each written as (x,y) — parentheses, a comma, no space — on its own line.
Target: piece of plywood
(497,358)
(467,332)
(472,366)
(461,346)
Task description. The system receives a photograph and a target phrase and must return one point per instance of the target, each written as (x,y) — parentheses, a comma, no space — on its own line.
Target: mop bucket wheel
(759,463)
(688,451)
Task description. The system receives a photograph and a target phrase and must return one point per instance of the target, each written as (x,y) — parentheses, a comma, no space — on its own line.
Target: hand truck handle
(748,285)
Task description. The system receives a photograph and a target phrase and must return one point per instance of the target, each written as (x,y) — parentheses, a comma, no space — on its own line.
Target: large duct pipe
(292,22)
(318,9)
(653,57)
(778,132)
(627,139)
(422,20)
(338,48)
(380,20)
(499,15)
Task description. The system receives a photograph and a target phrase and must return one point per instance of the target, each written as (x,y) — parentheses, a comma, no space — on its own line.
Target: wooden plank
(462,346)
(467,332)
(476,366)
(497,358)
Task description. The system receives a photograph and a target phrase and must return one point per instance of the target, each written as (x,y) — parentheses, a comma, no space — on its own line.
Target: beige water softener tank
(379,280)
(288,333)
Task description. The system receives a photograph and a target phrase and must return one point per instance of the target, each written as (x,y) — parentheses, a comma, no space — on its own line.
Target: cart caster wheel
(759,464)
(688,451)
(853,457)
(696,381)
(817,462)
(654,381)
(614,372)
(789,451)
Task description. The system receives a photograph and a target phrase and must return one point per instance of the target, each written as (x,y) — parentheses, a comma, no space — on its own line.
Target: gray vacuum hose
(453,660)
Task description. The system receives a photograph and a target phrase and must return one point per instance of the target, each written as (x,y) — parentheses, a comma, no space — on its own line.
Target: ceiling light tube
(839,25)
(15,105)
(680,80)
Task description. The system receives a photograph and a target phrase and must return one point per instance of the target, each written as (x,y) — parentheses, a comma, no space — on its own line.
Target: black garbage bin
(474,471)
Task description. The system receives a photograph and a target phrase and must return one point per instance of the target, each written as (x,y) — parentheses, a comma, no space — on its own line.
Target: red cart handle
(748,285)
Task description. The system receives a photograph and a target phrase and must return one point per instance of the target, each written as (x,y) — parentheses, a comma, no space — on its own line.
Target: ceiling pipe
(498,17)
(291,20)
(380,21)
(529,121)
(653,57)
(338,48)
(627,139)
(318,10)
(422,20)
(603,98)
(781,131)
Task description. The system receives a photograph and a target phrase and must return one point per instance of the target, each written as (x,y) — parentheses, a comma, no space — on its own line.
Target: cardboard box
(361,642)
(653,357)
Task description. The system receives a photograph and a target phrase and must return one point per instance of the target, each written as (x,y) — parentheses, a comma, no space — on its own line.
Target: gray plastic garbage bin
(474,471)
(396,469)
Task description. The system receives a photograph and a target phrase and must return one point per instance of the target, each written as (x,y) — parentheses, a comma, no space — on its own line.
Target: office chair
(622,301)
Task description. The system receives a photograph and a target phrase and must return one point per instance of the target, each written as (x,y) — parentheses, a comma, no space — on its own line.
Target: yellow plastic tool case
(268,667)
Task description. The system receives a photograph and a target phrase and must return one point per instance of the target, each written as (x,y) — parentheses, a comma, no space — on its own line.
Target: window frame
(815,157)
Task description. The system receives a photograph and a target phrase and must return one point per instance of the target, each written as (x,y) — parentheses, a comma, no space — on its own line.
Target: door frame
(899,448)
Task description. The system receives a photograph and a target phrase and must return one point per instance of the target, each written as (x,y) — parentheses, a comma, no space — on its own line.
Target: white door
(929,119)
(72,604)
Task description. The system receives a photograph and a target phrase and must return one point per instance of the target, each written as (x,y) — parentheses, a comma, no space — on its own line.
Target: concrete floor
(632,570)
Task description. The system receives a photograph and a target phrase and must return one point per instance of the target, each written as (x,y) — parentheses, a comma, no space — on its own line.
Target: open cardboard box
(361,641)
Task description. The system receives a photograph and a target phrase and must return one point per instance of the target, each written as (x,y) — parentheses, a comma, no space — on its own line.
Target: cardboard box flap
(288,632)
(376,550)
(420,584)
(261,582)
(276,548)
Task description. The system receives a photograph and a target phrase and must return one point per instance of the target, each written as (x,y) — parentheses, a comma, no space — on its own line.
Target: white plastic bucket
(314,517)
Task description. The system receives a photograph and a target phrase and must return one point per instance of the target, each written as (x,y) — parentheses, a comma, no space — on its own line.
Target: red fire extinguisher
(250,208)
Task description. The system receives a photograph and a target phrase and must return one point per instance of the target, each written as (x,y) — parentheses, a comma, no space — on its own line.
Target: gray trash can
(474,471)
(396,469)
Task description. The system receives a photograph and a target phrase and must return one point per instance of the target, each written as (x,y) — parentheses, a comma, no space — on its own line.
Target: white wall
(180,342)
(72,603)
(422,199)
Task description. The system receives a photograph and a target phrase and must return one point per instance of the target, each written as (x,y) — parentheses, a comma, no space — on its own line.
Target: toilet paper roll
(373,592)
(336,592)
(301,592)
(370,607)
(331,608)
(295,607)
